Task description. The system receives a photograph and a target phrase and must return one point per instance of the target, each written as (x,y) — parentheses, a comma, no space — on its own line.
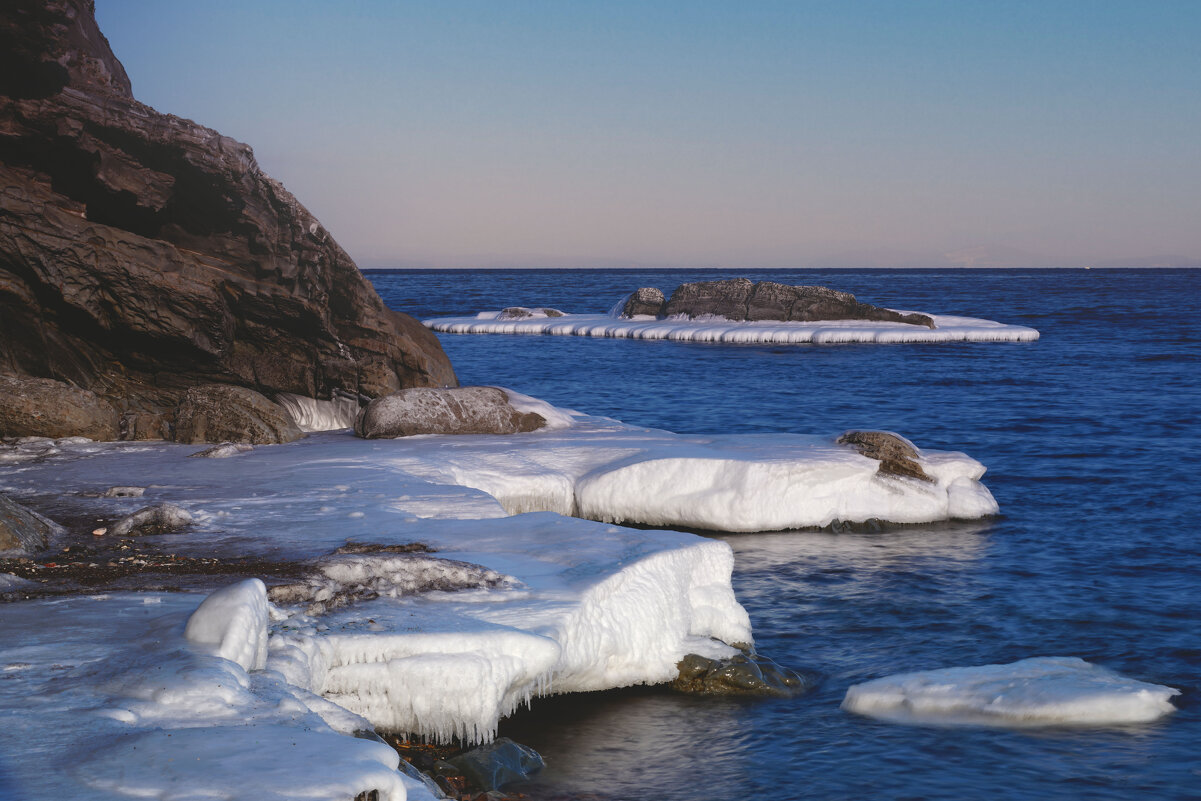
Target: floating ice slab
(682,329)
(1044,691)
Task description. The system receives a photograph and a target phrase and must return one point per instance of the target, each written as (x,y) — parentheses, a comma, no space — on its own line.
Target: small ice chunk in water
(1043,691)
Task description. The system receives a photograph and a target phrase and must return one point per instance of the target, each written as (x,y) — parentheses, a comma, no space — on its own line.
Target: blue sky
(756,134)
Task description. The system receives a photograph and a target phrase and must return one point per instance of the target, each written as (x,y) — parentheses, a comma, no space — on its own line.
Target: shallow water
(1090,436)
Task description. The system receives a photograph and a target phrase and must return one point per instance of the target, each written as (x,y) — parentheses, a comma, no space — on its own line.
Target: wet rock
(124,492)
(464,410)
(741,674)
(897,455)
(225,413)
(142,254)
(491,766)
(46,408)
(646,300)
(161,519)
(222,451)
(522,313)
(22,529)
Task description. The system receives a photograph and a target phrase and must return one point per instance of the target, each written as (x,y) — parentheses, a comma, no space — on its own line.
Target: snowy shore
(510,597)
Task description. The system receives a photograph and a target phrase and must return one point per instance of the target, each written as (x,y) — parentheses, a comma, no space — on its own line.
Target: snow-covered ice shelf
(1044,691)
(681,329)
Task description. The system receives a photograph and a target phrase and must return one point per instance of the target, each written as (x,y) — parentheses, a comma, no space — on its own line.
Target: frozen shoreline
(571,605)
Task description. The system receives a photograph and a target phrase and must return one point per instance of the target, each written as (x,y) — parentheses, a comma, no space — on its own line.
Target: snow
(311,414)
(234,620)
(948,328)
(1043,691)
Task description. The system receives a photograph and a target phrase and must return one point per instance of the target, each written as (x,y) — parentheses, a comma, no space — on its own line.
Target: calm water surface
(1091,436)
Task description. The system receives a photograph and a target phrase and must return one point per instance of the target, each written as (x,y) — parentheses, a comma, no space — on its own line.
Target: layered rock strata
(142,254)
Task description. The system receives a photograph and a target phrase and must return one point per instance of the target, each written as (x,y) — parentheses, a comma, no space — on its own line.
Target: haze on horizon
(771,134)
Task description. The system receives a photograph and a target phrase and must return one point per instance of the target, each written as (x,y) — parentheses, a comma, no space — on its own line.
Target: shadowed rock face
(740,299)
(142,254)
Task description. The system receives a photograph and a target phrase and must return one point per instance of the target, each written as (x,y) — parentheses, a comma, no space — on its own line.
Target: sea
(1092,439)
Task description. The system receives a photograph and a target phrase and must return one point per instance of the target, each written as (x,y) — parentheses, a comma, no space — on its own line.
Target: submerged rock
(897,455)
(741,674)
(22,529)
(500,762)
(740,299)
(224,413)
(43,407)
(142,254)
(463,410)
(222,451)
(646,300)
(161,519)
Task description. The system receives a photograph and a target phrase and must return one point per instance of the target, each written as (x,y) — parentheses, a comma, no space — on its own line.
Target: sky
(481,133)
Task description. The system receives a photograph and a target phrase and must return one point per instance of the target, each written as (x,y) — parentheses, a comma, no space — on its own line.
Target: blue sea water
(1092,437)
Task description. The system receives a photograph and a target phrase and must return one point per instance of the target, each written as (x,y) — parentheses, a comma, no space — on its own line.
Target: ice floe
(948,328)
(1043,691)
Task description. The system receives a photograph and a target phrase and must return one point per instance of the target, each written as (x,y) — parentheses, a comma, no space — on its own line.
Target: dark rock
(741,674)
(161,519)
(491,766)
(739,299)
(22,529)
(720,298)
(522,313)
(464,410)
(224,413)
(646,300)
(46,408)
(896,454)
(142,254)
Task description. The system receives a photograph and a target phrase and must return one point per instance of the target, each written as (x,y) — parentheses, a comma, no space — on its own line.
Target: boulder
(500,762)
(897,455)
(463,410)
(718,298)
(741,674)
(142,254)
(46,408)
(223,413)
(23,530)
(161,519)
(646,300)
(222,451)
(740,299)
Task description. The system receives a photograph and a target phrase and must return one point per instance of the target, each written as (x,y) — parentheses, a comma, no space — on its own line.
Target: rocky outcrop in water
(741,299)
(142,254)
(741,674)
(464,410)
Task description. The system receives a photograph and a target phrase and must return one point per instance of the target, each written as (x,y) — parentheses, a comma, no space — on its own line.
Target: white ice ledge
(1044,691)
(682,329)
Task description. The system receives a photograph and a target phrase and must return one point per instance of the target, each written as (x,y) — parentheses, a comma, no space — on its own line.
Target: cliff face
(141,253)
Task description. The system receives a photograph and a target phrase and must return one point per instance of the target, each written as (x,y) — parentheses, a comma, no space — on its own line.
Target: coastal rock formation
(42,407)
(23,530)
(142,254)
(224,413)
(741,674)
(741,299)
(464,410)
(896,454)
(645,300)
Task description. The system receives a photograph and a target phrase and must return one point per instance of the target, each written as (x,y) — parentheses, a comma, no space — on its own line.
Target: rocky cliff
(142,254)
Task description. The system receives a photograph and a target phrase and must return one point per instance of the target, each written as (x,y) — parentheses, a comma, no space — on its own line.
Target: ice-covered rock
(234,620)
(500,762)
(23,529)
(311,414)
(124,492)
(1043,691)
(720,330)
(459,410)
(522,313)
(227,413)
(222,451)
(160,519)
